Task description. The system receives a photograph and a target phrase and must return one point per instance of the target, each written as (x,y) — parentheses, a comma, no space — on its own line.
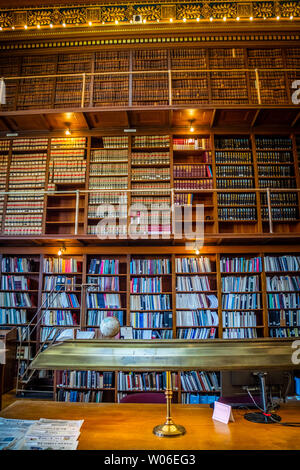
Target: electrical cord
(290,424)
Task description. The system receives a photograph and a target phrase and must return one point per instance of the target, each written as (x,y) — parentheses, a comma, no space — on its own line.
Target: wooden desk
(111,426)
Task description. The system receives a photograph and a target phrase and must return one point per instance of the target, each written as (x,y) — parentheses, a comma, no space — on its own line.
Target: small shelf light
(157,20)
(0,28)
(25,26)
(61,251)
(38,26)
(251,18)
(68,131)
(197,252)
(277,18)
(211,18)
(184,20)
(265,18)
(224,18)
(171,20)
(237,18)
(51,25)
(198,19)
(12,27)
(291,17)
(116,22)
(64,25)
(90,23)
(144,20)
(192,129)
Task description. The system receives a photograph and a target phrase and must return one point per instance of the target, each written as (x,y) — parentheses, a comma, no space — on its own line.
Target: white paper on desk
(61,422)
(50,446)
(222,412)
(12,432)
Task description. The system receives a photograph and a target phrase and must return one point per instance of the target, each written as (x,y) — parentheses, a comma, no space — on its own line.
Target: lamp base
(262,418)
(169,430)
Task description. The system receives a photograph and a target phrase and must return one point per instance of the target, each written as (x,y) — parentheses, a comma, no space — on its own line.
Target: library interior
(150,222)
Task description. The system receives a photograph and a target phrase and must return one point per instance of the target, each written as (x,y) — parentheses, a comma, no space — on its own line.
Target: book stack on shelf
(84,386)
(4,154)
(68,89)
(19,300)
(272,83)
(193,171)
(151,298)
(60,304)
(150,89)
(150,169)
(108,172)
(24,211)
(67,172)
(143,382)
(111,90)
(242,309)
(234,170)
(275,164)
(106,295)
(283,295)
(200,387)
(228,86)
(37,91)
(189,87)
(196,298)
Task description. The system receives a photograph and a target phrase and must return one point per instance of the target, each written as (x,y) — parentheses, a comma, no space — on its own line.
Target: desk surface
(111,426)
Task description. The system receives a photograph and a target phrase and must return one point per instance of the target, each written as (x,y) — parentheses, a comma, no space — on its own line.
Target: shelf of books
(189,87)
(272,83)
(108,176)
(68,88)
(27,174)
(283,295)
(61,295)
(106,294)
(150,88)
(275,162)
(196,297)
(235,170)
(135,382)
(150,186)
(241,293)
(111,90)
(193,181)
(19,301)
(292,61)
(151,305)
(10,66)
(84,386)
(67,172)
(37,91)
(200,387)
(229,86)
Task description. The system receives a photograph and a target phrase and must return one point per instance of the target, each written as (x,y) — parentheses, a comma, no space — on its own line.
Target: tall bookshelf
(108,178)
(19,301)
(67,172)
(235,170)
(276,169)
(27,174)
(241,294)
(4,164)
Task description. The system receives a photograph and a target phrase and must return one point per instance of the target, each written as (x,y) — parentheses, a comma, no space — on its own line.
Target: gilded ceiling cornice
(110,12)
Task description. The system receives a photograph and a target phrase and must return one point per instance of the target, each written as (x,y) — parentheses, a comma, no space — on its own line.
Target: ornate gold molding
(162,10)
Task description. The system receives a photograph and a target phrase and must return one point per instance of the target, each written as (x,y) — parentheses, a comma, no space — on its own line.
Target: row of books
(146,284)
(152,334)
(196,301)
(271,170)
(187,171)
(280,213)
(288,318)
(107,198)
(30,144)
(76,396)
(15,299)
(104,266)
(199,381)
(151,319)
(145,381)
(240,284)
(283,283)
(15,283)
(234,171)
(60,283)
(11,316)
(240,333)
(193,265)
(59,317)
(235,183)
(150,158)
(60,300)
(282,263)
(103,300)
(233,157)
(162,174)
(241,301)
(233,199)
(62,265)
(280,198)
(192,398)
(272,142)
(150,302)
(68,142)
(284,332)
(232,143)
(238,319)
(108,183)
(206,183)
(196,333)
(241,264)
(115,142)
(151,141)
(105,283)
(274,157)
(85,379)
(108,169)
(286,183)
(191,143)
(108,155)
(283,300)
(150,266)
(203,318)
(193,283)
(237,213)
